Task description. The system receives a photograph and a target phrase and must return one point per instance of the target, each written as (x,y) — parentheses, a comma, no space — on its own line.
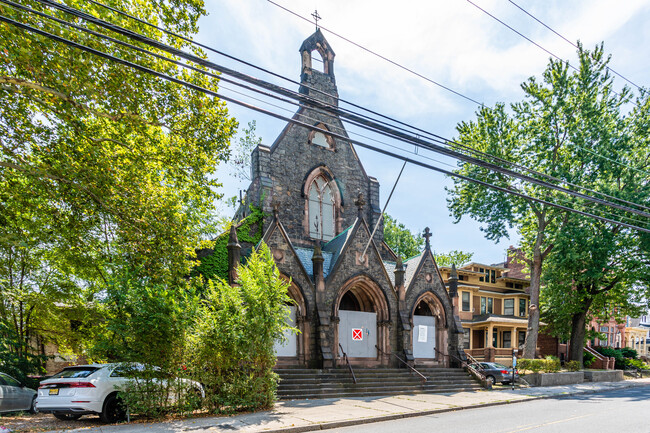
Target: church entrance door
(424,337)
(358,333)
(290,346)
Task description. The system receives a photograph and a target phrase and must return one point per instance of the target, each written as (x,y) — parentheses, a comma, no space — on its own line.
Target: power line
(302,124)
(567,40)
(444,141)
(411,71)
(521,34)
(458,93)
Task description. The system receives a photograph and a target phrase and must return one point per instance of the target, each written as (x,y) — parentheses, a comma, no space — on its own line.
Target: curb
(353,422)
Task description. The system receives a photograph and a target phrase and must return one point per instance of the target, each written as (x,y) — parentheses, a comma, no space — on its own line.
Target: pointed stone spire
(453,282)
(234,255)
(399,279)
(317,260)
(360,203)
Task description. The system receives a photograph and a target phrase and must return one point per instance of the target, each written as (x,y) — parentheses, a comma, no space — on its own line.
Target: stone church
(321,207)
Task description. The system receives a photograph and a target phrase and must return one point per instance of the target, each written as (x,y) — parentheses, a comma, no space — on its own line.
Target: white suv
(92,389)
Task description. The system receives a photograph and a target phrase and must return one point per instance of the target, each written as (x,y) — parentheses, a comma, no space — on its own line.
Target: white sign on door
(422,334)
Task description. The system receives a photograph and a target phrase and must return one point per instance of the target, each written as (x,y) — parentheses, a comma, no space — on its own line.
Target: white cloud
(451,42)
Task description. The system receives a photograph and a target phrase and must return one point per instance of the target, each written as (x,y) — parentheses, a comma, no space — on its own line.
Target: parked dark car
(14,396)
(499,373)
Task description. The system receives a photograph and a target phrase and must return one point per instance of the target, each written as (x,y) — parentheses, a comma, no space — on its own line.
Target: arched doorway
(429,336)
(291,351)
(362,312)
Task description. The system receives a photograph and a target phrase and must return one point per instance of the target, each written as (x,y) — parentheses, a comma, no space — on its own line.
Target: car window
(500,366)
(8,380)
(75,372)
(485,365)
(126,370)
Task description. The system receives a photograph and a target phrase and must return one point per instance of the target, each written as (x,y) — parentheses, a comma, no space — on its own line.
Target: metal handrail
(424,378)
(478,374)
(345,356)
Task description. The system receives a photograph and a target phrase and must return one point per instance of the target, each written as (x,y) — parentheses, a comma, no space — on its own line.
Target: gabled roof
(339,246)
(276,225)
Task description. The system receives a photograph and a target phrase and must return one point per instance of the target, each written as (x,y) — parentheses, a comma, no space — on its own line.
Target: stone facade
(321,208)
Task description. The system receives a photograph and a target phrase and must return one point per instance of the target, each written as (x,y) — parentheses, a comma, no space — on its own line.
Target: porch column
(471,338)
(489,338)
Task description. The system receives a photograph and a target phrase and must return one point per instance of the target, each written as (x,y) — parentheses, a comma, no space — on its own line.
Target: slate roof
(410,266)
(390,269)
(335,246)
(305,255)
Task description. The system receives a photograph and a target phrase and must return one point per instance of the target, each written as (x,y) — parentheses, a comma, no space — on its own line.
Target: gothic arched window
(321,209)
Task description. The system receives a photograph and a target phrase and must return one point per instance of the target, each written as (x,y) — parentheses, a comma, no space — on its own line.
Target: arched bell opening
(429,335)
(292,351)
(361,310)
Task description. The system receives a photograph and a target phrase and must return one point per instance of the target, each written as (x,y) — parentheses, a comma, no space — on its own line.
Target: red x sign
(357,334)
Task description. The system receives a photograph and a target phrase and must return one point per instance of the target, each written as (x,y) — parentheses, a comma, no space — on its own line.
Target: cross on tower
(427,234)
(316,17)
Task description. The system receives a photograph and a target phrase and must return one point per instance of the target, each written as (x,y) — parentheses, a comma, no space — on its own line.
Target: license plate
(54,391)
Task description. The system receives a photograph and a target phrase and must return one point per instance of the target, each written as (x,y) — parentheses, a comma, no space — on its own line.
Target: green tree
(406,244)
(605,274)
(564,122)
(453,257)
(400,239)
(103,170)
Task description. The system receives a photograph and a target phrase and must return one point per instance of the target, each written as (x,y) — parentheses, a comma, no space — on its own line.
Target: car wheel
(66,416)
(490,377)
(32,408)
(113,410)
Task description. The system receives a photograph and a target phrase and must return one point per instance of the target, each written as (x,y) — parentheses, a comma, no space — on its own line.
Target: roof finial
(316,17)
(427,234)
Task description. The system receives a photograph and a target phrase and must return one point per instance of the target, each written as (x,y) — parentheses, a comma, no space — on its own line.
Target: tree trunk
(530,344)
(578,331)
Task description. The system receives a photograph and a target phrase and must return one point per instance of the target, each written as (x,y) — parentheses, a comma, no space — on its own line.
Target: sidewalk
(310,415)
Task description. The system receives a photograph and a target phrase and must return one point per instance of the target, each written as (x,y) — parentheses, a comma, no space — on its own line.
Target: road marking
(548,423)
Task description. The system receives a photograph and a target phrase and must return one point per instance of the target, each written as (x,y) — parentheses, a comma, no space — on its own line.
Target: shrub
(551,365)
(587,359)
(232,342)
(637,363)
(537,365)
(628,352)
(146,323)
(573,366)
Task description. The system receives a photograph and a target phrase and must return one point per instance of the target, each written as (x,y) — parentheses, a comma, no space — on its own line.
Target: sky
(450,42)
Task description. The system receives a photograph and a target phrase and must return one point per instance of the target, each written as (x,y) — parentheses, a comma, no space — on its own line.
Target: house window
(604,329)
(483,304)
(493,279)
(506,339)
(466,332)
(465,301)
(495,340)
(321,209)
(521,339)
(509,307)
(522,308)
(490,301)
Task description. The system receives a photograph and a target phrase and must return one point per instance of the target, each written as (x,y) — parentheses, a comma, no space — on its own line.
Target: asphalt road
(627,410)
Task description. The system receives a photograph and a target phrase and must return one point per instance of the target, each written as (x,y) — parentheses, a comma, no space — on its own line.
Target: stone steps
(302,383)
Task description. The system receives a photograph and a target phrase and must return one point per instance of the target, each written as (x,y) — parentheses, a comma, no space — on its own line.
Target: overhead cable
(302,124)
